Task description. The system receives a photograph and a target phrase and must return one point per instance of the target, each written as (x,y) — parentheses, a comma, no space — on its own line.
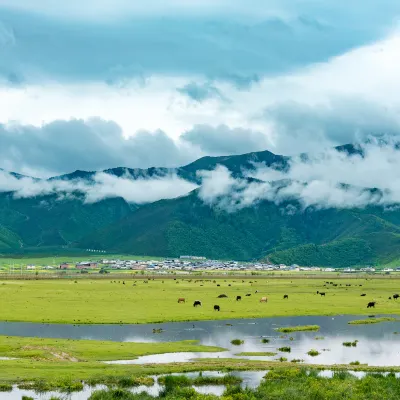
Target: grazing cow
(229,285)
(256,291)
(286,296)
(197,303)
(222,296)
(396,296)
(390,298)
(181,300)
(322,293)
(317,291)
(248,294)
(238,298)
(218,285)
(263,300)
(371,304)
(216,308)
(363,295)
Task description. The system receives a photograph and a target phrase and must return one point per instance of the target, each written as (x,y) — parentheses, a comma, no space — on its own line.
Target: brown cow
(181,300)
(263,300)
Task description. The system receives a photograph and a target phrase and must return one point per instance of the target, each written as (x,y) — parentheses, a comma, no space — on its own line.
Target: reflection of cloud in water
(377,344)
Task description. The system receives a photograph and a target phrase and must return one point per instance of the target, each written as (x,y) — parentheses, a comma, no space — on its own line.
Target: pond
(377,345)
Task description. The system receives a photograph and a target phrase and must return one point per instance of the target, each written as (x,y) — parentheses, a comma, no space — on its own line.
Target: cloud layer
(327,180)
(103,186)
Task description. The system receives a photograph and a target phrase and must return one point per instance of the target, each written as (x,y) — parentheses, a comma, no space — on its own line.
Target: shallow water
(250,379)
(377,343)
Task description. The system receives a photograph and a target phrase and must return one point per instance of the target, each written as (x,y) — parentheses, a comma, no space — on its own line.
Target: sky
(106,83)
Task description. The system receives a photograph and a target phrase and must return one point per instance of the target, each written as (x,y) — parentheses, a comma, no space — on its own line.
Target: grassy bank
(140,300)
(90,350)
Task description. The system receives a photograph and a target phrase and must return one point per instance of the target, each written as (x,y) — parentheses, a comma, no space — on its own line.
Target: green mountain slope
(8,240)
(51,221)
(313,237)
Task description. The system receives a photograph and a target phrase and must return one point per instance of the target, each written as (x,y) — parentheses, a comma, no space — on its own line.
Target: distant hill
(185,225)
(337,238)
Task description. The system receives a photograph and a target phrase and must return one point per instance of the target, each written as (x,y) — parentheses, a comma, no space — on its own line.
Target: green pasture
(90,350)
(85,301)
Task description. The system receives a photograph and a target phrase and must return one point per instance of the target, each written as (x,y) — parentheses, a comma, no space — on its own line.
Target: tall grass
(282,384)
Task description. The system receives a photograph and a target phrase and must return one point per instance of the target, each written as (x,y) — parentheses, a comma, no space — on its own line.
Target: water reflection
(377,344)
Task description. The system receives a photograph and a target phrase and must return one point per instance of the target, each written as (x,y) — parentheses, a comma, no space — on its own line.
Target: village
(187,264)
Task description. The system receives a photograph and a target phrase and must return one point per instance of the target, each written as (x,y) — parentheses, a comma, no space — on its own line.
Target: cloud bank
(331,179)
(103,186)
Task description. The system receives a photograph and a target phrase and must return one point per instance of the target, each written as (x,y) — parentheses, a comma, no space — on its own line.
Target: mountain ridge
(186,225)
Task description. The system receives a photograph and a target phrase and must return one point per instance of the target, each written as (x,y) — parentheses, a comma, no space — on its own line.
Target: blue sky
(162,83)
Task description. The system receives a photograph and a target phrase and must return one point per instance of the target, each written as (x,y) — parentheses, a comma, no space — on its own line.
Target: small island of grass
(257,353)
(300,328)
(372,321)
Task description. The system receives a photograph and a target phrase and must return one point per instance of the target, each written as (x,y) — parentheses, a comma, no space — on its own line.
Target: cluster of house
(195,263)
(187,263)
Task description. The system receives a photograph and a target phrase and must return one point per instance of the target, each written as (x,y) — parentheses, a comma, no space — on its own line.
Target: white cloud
(350,88)
(330,179)
(104,186)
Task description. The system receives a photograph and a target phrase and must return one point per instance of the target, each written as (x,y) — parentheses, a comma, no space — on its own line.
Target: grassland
(90,350)
(84,301)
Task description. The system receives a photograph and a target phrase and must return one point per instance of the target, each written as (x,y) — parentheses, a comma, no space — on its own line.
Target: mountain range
(49,222)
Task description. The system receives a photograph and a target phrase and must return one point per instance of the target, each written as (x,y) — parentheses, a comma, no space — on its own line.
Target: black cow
(222,296)
(218,285)
(216,308)
(286,296)
(197,303)
(248,294)
(322,293)
(238,298)
(371,304)
(363,295)
(396,296)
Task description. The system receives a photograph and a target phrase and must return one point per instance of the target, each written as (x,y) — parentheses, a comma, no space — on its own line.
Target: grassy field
(90,350)
(87,301)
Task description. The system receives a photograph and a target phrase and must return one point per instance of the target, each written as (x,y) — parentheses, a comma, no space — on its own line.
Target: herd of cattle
(196,303)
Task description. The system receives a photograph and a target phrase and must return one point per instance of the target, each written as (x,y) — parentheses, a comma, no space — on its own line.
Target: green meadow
(139,300)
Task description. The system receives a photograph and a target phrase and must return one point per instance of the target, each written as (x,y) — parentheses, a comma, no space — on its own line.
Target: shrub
(5,387)
(350,344)
(313,353)
(237,342)
(285,349)
(264,340)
